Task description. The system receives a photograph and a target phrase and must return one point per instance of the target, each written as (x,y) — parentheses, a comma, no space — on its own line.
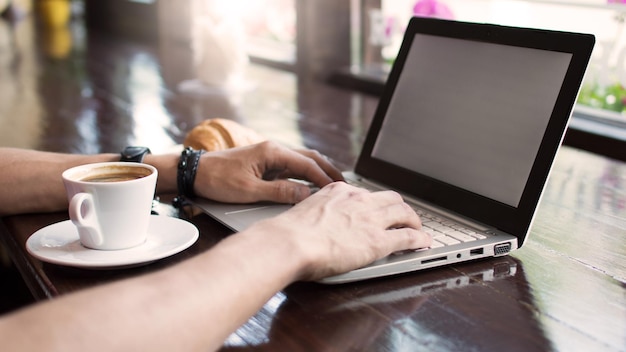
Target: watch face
(134,154)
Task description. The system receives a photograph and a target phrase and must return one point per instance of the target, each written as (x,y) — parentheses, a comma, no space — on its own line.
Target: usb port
(476,251)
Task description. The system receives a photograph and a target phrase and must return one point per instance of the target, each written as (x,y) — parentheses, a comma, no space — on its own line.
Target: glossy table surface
(564,290)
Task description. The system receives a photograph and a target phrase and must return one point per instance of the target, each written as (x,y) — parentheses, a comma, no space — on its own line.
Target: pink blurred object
(435,8)
(616,1)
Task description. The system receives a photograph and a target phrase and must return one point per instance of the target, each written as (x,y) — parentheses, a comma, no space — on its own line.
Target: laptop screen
(471,114)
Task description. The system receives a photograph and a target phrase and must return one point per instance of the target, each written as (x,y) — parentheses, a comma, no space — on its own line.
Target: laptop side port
(432,260)
(476,251)
(502,248)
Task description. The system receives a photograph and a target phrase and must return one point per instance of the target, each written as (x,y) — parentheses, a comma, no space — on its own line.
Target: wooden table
(564,290)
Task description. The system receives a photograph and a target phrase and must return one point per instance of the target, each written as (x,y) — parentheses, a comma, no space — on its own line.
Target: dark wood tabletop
(565,289)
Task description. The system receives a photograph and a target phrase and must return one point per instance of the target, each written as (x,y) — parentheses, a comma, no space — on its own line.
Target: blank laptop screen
(477,107)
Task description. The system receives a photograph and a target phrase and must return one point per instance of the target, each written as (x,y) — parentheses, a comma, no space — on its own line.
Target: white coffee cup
(110,203)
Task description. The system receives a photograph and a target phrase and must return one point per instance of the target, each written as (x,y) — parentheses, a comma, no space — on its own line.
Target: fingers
(347,227)
(323,162)
(403,238)
(283,191)
(305,164)
(258,172)
(392,211)
(399,214)
(402,224)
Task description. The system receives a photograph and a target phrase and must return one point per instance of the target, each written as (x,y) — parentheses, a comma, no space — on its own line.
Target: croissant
(219,134)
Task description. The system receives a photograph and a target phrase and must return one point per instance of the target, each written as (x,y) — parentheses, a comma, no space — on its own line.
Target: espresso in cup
(111,203)
(115,174)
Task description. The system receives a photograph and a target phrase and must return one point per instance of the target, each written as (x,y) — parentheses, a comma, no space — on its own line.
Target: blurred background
(73,71)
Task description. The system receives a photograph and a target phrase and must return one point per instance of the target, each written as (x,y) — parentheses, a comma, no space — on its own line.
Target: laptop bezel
(506,218)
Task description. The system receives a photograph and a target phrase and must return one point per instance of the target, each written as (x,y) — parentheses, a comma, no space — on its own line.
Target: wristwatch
(134,154)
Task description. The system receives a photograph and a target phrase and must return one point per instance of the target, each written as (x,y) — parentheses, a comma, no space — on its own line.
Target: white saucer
(59,244)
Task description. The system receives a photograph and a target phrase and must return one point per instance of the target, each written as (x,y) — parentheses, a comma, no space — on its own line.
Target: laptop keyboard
(445,232)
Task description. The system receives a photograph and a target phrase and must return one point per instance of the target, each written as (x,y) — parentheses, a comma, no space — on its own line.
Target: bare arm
(196,304)
(31,180)
(190,307)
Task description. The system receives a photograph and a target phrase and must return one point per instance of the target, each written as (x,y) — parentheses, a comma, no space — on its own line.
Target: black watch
(134,154)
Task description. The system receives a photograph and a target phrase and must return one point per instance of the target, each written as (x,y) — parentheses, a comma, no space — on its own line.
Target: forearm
(32,181)
(192,306)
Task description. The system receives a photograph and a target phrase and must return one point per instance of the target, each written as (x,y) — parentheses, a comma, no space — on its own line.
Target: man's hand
(259,173)
(341,228)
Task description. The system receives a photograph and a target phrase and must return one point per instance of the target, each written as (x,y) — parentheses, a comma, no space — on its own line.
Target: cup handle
(83,215)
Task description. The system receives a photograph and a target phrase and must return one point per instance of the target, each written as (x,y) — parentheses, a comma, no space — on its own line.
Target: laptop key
(477,235)
(436,244)
(446,240)
(461,236)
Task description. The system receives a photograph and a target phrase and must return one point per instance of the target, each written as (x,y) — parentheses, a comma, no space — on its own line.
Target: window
(271,29)
(599,122)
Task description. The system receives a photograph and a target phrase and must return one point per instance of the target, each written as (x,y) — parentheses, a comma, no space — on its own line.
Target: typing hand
(260,172)
(343,227)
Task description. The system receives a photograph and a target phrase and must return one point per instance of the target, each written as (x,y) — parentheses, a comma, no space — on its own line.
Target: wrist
(276,239)
(166,165)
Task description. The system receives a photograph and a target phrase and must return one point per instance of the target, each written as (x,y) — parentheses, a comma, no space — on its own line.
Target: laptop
(467,127)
